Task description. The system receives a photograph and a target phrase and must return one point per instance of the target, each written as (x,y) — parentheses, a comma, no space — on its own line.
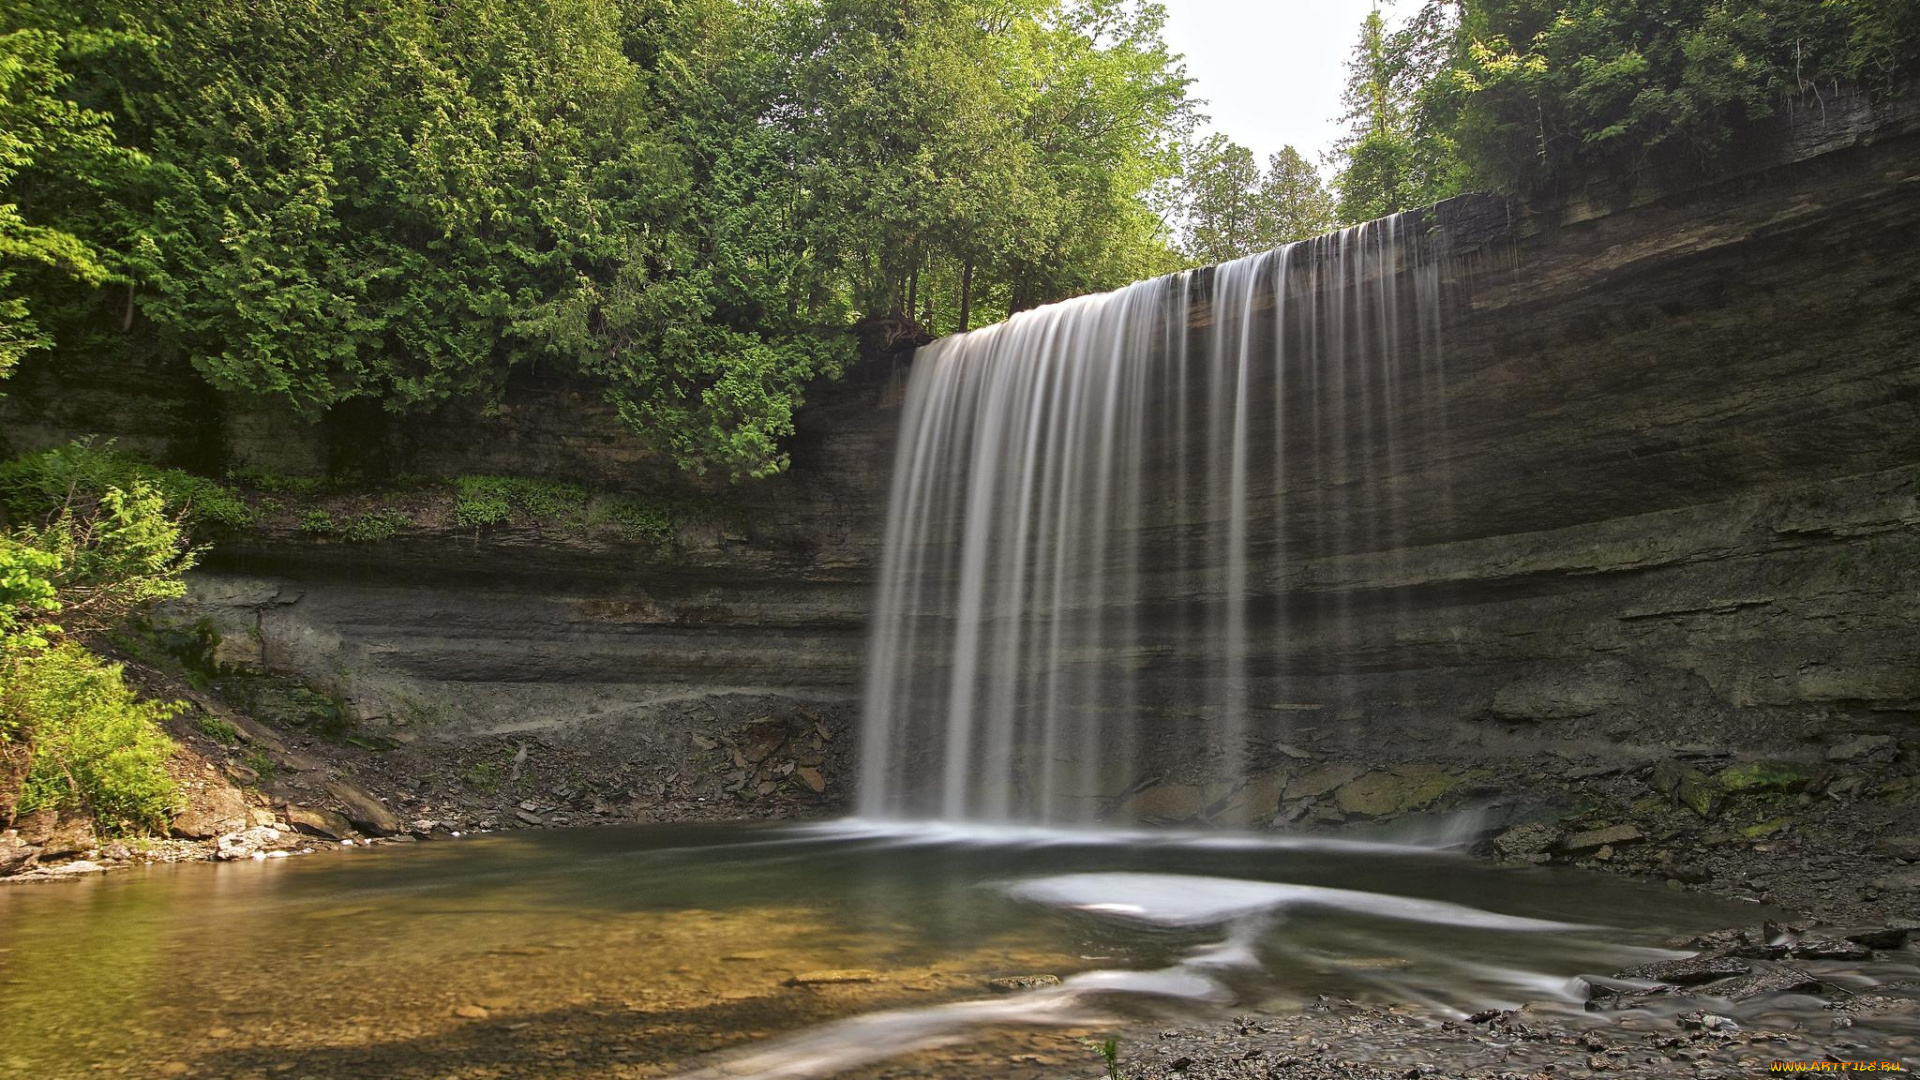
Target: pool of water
(756,951)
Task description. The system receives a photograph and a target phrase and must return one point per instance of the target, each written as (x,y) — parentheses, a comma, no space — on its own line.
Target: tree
(1538,93)
(1233,210)
(43,131)
(1395,155)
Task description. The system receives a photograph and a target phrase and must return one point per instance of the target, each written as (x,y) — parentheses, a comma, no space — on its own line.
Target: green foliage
(264,768)
(1233,210)
(220,731)
(1109,1051)
(42,131)
(102,562)
(479,501)
(37,485)
(95,746)
(370,527)
(301,487)
(1396,154)
(90,555)
(1539,91)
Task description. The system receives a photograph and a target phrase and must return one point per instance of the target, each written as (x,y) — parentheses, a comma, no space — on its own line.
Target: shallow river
(748,951)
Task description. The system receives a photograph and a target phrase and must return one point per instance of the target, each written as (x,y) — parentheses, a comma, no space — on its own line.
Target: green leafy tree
(1234,210)
(43,133)
(1539,92)
(1396,154)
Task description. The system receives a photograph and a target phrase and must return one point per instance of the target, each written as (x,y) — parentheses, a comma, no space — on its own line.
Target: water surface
(673,950)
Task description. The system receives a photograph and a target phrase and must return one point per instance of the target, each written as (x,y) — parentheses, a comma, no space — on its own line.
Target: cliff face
(1674,498)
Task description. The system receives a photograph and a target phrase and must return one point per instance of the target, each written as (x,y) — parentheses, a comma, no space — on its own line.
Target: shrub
(480,501)
(94,745)
(220,731)
(39,486)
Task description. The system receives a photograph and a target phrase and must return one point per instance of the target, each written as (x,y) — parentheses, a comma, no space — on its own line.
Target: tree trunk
(966,297)
(913,286)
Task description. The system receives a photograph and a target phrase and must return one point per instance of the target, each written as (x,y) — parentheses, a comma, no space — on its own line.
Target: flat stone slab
(1689,972)
(1596,839)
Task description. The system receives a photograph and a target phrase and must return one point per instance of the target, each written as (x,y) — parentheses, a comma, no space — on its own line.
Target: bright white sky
(1271,71)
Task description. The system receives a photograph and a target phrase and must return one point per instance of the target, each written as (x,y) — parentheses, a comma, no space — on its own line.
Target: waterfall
(1100,517)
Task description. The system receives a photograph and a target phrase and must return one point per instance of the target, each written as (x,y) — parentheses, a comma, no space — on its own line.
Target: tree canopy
(685,201)
(687,204)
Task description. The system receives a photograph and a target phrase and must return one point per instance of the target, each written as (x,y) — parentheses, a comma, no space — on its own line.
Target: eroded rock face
(1672,497)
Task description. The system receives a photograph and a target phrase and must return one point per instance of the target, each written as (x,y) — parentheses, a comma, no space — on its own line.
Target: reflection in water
(685,950)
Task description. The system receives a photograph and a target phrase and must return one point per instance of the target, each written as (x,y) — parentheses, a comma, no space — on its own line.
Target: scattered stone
(253,843)
(1015,983)
(367,813)
(76,868)
(315,822)
(811,777)
(1595,839)
(1873,748)
(835,976)
(529,817)
(1689,972)
(1706,1021)
(471,1012)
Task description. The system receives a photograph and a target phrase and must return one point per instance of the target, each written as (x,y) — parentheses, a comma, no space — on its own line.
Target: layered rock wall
(1675,498)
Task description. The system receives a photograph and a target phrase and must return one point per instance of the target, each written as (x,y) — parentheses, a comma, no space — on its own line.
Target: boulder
(367,813)
(316,822)
(58,835)
(15,853)
(213,811)
(1526,843)
(1688,787)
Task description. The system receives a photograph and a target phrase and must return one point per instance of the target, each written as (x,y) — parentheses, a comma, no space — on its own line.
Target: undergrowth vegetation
(93,544)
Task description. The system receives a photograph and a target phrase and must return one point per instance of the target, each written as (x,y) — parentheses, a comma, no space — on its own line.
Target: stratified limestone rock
(1394,792)
(1595,839)
(319,822)
(367,813)
(1177,802)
